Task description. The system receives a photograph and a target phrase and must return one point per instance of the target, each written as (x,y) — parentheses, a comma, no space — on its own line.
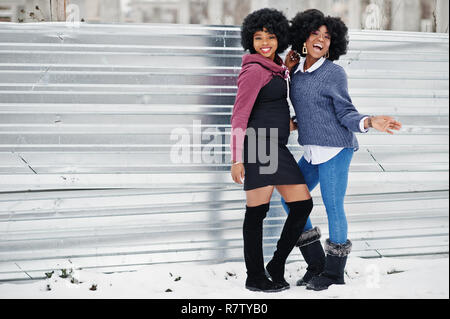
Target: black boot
(253,250)
(312,251)
(293,227)
(333,273)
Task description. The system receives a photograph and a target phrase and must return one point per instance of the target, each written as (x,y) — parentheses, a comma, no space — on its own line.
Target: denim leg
(311,174)
(333,176)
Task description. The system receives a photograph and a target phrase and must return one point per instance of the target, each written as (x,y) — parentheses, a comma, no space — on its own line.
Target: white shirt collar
(314,67)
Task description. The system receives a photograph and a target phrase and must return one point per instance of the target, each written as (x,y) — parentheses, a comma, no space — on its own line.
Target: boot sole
(323,287)
(270,277)
(270,290)
(316,288)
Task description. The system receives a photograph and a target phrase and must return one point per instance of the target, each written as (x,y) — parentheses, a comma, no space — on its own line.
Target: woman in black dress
(260,131)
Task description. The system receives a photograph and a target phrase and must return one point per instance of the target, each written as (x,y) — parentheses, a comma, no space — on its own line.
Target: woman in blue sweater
(326,121)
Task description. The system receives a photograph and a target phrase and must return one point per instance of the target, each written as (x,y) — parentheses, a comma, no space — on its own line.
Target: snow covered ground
(425,277)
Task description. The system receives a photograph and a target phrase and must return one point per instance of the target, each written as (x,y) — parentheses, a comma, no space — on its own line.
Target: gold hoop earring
(304,49)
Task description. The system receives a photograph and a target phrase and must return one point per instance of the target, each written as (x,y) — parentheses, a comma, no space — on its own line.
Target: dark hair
(273,20)
(311,20)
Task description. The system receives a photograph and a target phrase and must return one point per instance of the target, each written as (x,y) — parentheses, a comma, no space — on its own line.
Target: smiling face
(265,43)
(318,43)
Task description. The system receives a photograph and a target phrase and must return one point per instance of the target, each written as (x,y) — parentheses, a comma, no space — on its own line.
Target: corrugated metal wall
(89,116)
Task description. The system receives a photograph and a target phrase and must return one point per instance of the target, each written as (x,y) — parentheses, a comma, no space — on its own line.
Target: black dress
(267,160)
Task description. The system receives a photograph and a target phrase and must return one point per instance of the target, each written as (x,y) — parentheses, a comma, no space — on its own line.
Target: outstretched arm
(345,111)
(350,117)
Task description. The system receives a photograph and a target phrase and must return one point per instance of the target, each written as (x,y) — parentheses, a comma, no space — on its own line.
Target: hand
(238,173)
(292,58)
(384,123)
(292,126)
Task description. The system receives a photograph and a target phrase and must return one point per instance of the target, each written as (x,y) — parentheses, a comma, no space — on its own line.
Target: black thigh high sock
(253,239)
(293,227)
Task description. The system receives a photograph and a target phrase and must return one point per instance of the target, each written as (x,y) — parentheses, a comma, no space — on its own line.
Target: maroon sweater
(256,72)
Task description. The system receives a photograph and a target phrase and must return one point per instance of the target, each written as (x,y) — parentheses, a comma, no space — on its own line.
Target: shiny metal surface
(86,176)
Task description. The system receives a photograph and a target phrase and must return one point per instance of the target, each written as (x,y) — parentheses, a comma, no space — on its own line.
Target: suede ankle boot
(335,262)
(313,253)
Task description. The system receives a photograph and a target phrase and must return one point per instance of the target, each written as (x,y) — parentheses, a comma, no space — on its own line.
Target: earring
(304,49)
(327,55)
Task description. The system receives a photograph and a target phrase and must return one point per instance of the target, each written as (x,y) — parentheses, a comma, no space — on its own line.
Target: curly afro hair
(310,20)
(273,20)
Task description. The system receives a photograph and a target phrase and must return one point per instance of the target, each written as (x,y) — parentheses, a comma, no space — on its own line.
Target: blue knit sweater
(325,113)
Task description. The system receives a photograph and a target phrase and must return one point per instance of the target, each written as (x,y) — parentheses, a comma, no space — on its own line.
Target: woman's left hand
(292,126)
(385,123)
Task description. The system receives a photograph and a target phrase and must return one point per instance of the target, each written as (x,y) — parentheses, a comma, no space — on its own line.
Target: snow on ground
(366,278)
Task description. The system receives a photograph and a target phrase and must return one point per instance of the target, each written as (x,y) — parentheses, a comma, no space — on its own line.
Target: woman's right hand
(292,58)
(238,172)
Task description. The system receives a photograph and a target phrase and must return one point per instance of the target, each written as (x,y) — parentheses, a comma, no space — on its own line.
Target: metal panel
(86,176)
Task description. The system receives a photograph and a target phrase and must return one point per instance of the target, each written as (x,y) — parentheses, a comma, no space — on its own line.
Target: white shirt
(316,154)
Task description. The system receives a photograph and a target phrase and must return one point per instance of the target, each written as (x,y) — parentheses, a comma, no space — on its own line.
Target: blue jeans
(333,177)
